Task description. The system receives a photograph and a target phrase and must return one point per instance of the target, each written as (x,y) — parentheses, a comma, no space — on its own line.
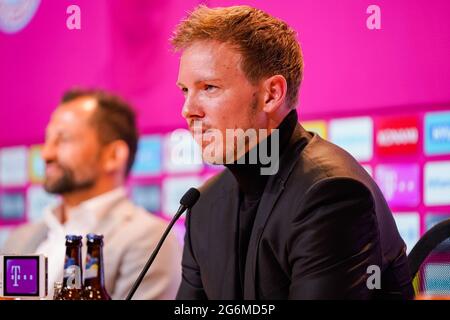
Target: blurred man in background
(89,150)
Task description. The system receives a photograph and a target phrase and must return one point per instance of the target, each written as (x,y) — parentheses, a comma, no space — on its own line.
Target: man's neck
(248,176)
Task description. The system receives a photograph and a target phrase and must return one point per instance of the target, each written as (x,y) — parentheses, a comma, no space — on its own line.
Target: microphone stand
(138,281)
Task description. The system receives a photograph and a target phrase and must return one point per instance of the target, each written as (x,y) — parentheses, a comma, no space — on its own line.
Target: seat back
(429,262)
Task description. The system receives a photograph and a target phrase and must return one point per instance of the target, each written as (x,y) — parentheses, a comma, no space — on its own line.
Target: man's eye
(210,87)
(64,138)
(184,90)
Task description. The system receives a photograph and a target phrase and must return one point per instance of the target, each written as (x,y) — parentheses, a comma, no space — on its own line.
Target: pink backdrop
(123,46)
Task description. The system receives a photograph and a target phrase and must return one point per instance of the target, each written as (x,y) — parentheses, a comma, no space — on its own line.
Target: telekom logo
(399,183)
(16,276)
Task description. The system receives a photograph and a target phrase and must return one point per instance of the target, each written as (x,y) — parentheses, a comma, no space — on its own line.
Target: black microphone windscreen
(190,198)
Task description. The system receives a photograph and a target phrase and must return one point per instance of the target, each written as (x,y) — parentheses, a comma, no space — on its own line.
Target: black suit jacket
(322,221)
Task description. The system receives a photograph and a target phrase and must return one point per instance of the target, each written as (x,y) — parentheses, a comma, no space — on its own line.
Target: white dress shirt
(81,220)
(130,234)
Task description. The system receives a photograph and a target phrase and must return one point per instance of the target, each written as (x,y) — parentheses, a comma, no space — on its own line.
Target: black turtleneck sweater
(251,186)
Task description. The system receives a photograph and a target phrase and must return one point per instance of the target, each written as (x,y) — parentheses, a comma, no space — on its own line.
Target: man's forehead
(209,59)
(76,111)
(81,107)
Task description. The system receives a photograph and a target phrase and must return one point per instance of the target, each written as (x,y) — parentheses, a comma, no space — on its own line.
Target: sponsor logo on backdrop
(173,189)
(399,184)
(437,133)
(147,196)
(430,221)
(13,166)
(37,200)
(15,15)
(397,136)
(437,183)
(434,218)
(12,206)
(408,225)
(36,165)
(437,277)
(148,156)
(316,126)
(354,135)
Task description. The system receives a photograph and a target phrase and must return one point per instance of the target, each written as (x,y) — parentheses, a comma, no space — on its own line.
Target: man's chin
(220,160)
(52,189)
(210,161)
(56,187)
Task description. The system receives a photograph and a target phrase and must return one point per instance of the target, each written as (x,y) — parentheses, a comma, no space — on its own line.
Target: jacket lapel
(274,188)
(226,209)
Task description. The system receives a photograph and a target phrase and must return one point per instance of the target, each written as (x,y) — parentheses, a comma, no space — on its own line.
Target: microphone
(187,202)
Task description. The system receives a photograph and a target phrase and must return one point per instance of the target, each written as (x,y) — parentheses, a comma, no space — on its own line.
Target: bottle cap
(73,238)
(91,237)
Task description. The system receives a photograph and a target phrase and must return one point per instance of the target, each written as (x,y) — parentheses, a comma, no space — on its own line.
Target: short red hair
(268,45)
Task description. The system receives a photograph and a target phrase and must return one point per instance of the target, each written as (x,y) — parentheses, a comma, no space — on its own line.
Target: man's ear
(274,89)
(116,156)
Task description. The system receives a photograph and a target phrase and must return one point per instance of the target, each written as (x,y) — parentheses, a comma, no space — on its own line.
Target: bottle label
(69,262)
(73,276)
(91,267)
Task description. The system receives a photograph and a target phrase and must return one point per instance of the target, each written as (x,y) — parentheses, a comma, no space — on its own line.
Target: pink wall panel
(123,46)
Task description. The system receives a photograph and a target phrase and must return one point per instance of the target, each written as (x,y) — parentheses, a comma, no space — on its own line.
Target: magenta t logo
(22,276)
(15,275)
(399,184)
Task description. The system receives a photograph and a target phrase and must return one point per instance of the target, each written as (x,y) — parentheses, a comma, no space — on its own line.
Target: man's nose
(192,109)
(48,152)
